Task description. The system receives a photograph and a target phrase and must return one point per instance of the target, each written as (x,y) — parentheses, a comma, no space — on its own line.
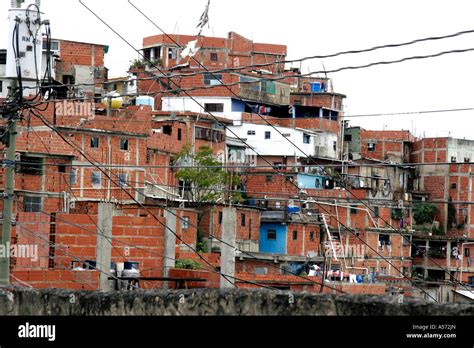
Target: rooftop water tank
(146,100)
(315,87)
(115,99)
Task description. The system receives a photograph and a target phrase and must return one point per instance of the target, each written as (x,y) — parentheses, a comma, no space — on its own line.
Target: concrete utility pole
(104,244)
(229,230)
(8,195)
(170,244)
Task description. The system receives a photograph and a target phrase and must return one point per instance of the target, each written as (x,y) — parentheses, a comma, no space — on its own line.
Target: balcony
(264,91)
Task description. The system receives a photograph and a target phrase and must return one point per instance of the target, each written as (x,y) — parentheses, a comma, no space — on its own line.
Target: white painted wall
(277,145)
(188,104)
(325,145)
(460,149)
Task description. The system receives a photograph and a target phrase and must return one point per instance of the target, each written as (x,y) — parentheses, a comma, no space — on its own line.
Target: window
(467,252)
(1,86)
(242,219)
(467,159)
(353,210)
(95,142)
(384,239)
(30,165)
(3,57)
(214,107)
(54,45)
(277,165)
(168,130)
(269,87)
(406,240)
(306,138)
(453,159)
(334,145)
(212,79)
(371,147)
(214,57)
(147,54)
(32,204)
(123,179)
(268,135)
(172,53)
(311,236)
(376,211)
(260,270)
(220,218)
(271,235)
(61,168)
(268,178)
(383,270)
(295,235)
(149,152)
(251,132)
(96,179)
(185,222)
(453,185)
(124,144)
(73,176)
(297,102)
(348,137)
(209,134)
(179,134)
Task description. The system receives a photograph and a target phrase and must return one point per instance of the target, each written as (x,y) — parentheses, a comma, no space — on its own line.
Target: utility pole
(229,229)
(104,244)
(8,193)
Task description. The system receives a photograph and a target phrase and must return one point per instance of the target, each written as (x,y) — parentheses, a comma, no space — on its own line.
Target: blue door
(272,238)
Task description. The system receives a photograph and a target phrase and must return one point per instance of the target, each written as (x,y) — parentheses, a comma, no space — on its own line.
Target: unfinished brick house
(78,68)
(443,180)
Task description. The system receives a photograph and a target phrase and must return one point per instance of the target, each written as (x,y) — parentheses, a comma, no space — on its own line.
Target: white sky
(310,27)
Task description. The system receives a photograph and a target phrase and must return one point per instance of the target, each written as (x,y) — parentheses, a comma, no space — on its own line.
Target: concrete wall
(214,302)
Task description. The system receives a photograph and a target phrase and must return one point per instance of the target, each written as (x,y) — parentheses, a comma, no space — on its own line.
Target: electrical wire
(153,64)
(346,68)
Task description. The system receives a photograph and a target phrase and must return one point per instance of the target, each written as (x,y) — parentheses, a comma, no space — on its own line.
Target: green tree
(204,179)
(424,213)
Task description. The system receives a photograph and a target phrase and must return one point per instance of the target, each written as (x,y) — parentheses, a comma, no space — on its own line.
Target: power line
(302,75)
(309,74)
(253,192)
(146,209)
(271,264)
(139,53)
(332,55)
(252,169)
(158,69)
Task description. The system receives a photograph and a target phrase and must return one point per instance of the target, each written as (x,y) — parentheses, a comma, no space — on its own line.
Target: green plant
(187,264)
(396,213)
(201,246)
(137,64)
(153,63)
(424,213)
(203,175)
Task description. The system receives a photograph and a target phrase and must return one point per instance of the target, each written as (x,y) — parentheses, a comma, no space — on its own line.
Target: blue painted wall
(277,246)
(311,181)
